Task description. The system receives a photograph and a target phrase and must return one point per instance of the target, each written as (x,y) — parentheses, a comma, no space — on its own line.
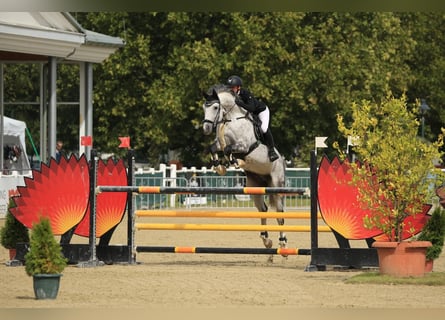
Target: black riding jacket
(246,100)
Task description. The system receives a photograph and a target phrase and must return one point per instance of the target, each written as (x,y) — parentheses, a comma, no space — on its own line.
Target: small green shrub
(434,231)
(45,253)
(13,231)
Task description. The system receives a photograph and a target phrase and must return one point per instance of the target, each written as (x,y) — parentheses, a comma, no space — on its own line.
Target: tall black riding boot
(268,140)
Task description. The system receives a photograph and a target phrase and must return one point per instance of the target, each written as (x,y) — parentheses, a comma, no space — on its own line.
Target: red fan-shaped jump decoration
(58,191)
(338,203)
(110,206)
(341,210)
(412,224)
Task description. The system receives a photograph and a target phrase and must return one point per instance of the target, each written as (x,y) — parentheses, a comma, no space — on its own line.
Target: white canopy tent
(14,133)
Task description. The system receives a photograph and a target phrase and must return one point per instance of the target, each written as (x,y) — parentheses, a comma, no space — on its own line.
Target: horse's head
(212,110)
(229,108)
(219,103)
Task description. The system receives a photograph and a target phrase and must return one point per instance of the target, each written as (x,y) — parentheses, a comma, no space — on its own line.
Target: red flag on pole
(86,140)
(125,142)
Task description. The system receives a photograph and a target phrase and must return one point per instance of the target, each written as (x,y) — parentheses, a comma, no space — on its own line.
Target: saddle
(257,127)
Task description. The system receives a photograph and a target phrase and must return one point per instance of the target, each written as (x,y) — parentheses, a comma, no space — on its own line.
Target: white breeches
(264,117)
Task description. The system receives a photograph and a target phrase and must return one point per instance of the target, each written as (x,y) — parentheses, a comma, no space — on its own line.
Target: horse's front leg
(235,146)
(265,235)
(229,156)
(261,206)
(266,240)
(282,240)
(216,163)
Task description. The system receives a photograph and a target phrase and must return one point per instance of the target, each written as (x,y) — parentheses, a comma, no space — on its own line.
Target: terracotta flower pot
(12,253)
(429,266)
(402,259)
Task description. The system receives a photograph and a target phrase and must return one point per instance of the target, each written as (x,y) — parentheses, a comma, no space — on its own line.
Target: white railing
(170,176)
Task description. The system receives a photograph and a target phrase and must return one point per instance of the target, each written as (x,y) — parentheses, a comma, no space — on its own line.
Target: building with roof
(52,38)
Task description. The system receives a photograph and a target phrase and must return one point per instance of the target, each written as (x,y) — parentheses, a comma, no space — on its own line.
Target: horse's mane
(212,93)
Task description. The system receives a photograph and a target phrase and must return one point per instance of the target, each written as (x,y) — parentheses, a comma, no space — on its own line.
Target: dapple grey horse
(237,139)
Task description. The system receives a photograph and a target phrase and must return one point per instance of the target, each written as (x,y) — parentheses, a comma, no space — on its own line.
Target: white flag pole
(320,142)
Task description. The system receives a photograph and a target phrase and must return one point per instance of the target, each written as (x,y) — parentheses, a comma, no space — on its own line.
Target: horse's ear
(208,94)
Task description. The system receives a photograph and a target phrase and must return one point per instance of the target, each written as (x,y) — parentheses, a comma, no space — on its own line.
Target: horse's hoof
(267,243)
(284,255)
(221,170)
(241,163)
(283,244)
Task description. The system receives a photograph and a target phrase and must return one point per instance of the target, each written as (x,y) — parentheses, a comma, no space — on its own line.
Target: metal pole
(228,227)
(201,190)
(279,251)
(52,122)
(93,207)
(130,209)
(314,210)
(44,83)
(93,261)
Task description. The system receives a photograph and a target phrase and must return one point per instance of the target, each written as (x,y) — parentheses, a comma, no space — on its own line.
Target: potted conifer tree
(395,176)
(13,232)
(433,231)
(44,261)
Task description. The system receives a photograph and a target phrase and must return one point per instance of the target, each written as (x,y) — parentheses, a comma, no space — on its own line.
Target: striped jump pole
(200,190)
(226,227)
(222,214)
(268,251)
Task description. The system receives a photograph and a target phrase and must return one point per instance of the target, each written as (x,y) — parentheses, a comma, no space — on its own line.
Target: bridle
(215,121)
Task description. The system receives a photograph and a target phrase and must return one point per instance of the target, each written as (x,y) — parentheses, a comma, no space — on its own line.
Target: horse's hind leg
(277,202)
(266,240)
(264,235)
(282,240)
(261,206)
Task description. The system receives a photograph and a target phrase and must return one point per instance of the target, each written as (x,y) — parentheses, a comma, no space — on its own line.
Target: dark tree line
(307,67)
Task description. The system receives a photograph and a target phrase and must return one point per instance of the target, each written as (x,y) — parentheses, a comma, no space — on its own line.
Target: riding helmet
(234,81)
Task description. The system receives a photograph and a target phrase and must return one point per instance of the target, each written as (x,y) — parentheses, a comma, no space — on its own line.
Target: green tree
(427,65)
(396,175)
(306,66)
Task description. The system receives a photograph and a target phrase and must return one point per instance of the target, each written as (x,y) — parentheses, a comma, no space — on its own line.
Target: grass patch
(430,279)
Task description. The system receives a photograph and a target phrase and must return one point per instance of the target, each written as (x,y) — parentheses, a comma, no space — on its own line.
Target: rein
(254,145)
(237,118)
(214,122)
(226,112)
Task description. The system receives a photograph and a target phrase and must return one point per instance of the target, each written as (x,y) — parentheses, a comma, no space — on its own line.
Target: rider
(246,100)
